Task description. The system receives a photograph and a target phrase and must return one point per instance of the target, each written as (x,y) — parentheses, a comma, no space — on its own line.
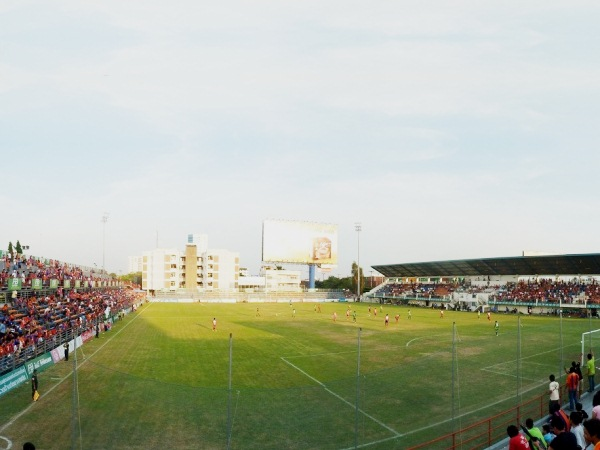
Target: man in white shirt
(554,390)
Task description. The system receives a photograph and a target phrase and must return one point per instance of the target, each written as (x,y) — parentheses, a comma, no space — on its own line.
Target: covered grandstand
(531,282)
(554,265)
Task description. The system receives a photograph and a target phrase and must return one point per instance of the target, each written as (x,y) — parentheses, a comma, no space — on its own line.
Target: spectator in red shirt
(517,441)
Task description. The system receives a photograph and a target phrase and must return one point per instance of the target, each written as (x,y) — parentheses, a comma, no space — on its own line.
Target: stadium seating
(37,321)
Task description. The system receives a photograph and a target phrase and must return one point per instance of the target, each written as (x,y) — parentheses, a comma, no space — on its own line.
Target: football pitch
(275,375)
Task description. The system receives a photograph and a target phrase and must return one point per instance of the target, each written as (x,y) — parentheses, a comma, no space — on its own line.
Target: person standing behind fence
(554,392)
(591,372)
(34,385)
(66,349)
(580,375)
(572,385)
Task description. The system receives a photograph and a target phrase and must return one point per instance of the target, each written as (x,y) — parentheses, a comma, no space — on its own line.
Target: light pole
(104,220)
(358,228)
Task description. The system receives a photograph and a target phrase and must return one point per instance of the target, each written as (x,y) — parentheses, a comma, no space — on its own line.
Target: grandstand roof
(587,264)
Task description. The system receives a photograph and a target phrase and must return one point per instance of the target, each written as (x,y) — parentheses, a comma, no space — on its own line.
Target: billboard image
(299,242)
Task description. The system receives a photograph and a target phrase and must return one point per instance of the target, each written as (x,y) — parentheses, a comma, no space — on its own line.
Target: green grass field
(160,379)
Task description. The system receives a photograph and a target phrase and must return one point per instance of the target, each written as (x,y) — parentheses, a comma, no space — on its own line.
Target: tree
(19,248)
(356,273)
(11,250)
(134,277)
(334,283)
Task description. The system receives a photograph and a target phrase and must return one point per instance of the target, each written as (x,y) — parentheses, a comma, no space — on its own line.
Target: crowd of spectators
(33,321)
(532,291)
(437,290)
(549,291)
(28,268)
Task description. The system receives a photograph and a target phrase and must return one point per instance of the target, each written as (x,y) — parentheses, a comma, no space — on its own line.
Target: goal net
(590,340)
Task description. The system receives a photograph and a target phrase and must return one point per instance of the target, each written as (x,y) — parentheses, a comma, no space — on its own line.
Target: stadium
(417,363)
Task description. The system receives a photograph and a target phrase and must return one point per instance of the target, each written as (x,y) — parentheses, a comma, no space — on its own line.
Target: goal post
(589,340)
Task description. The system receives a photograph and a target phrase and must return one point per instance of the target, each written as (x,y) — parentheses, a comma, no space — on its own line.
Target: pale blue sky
(450,130)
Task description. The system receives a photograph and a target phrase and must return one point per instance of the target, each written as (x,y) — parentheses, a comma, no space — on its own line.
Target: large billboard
(299,242)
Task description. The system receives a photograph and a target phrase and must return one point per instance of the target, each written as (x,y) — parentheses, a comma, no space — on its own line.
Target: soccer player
(214,323)
(387,320)
(496,327)
(409,314)
(441,313)
(397,317)
(354,316)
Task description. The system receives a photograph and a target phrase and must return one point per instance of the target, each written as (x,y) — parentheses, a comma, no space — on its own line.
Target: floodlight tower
(358,228)
(104,220)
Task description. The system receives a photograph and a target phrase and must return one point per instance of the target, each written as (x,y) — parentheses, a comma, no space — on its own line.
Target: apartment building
(161,270)
(197,268)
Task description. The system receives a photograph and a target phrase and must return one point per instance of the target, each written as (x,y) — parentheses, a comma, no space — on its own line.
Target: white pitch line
(319,354)
(8,443)
(342,399)
(16,417)
(508,374)
(424,337)
(488,368)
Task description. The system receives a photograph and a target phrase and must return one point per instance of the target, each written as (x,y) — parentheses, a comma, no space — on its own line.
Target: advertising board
(299,242)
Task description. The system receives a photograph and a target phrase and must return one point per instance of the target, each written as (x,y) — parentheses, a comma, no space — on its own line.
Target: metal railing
(490,430)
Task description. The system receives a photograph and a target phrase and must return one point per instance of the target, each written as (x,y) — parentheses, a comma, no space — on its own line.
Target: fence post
(229,421)
(518,370)
(357,390)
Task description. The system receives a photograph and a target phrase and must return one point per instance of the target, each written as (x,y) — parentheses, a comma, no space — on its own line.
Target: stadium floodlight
(358,228)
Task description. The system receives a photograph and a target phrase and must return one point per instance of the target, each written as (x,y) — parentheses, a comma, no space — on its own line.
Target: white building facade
(161,270)
(200,269)
(136,264)
(195,269)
